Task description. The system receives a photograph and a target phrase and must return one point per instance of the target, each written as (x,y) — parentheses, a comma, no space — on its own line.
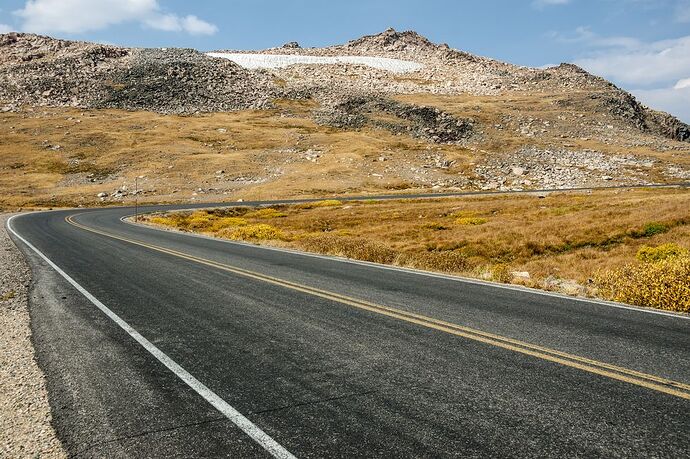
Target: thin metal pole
(136,199)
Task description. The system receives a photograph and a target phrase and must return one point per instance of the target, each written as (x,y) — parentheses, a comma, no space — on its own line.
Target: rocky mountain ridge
(43,71)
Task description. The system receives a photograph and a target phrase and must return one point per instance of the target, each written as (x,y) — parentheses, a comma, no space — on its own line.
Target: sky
(641,45)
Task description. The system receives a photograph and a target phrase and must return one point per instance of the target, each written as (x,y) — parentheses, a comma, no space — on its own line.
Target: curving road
(161,344)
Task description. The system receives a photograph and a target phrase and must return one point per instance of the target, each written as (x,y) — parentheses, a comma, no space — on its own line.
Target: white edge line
(237,418)
(420,272)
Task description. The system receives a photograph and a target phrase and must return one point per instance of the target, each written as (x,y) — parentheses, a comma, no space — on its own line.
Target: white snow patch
(273,61)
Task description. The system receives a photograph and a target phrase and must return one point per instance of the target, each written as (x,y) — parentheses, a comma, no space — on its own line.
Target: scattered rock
(524,275)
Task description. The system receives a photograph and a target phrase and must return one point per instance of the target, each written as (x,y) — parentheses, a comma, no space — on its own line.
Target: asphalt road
(169,345)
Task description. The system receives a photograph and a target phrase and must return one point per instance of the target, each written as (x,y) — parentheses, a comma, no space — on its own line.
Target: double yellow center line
(648,381)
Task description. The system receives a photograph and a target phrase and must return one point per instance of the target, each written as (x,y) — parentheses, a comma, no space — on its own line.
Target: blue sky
(642,45)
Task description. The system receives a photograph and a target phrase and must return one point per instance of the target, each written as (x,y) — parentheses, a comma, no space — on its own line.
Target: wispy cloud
(4,28)
(78,16)
(544,3)
(683,11)
(586,36)
(550,2)
(659,69)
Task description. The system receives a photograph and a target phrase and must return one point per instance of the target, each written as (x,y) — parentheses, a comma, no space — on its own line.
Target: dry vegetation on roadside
(625,245)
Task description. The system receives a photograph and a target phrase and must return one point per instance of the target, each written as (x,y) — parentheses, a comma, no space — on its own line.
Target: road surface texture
(162,344)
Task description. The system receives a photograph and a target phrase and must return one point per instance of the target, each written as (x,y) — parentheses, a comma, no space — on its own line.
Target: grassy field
(630,246)
(66,157)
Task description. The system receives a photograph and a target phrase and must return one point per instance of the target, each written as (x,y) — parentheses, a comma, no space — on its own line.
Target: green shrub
(654,228)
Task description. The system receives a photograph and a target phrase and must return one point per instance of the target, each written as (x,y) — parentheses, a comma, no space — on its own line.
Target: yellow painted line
(670,387)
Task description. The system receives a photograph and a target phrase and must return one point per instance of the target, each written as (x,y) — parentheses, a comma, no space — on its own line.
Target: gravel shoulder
(25,418)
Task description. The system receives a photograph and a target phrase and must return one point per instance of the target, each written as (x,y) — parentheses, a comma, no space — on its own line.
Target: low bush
(649,230)
(647,254)
(199,221)
(654,228)
(501,273)
(267,212)
(662,284)
(227,222)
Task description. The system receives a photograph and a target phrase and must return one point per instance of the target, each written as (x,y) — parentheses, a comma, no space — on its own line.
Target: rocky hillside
(393,111)
(42,71)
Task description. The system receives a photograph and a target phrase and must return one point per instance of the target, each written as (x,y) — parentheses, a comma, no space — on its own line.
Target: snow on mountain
(273,61)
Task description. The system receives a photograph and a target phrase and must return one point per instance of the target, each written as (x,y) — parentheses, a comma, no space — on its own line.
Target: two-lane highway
(159,343)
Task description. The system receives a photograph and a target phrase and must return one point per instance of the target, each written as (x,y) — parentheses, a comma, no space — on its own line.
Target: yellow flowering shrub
(663,284)
(649,254)
(267,212)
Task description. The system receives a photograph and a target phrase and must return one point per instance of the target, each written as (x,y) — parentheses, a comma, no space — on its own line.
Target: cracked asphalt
(322,378)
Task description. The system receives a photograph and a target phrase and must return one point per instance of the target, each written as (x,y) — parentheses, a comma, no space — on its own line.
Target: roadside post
(136,199)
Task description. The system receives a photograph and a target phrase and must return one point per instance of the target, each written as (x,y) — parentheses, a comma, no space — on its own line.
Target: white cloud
(629,60)
(167,22)
(196,26)
(190,24)
(645,64)
(4,28)
(77,16)
(682,84)
(674,100)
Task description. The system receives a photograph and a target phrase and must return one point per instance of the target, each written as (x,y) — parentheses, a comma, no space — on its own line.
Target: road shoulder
(25,420)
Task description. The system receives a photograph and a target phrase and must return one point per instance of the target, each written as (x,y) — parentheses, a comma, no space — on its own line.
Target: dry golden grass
(564,236)
(263,152)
